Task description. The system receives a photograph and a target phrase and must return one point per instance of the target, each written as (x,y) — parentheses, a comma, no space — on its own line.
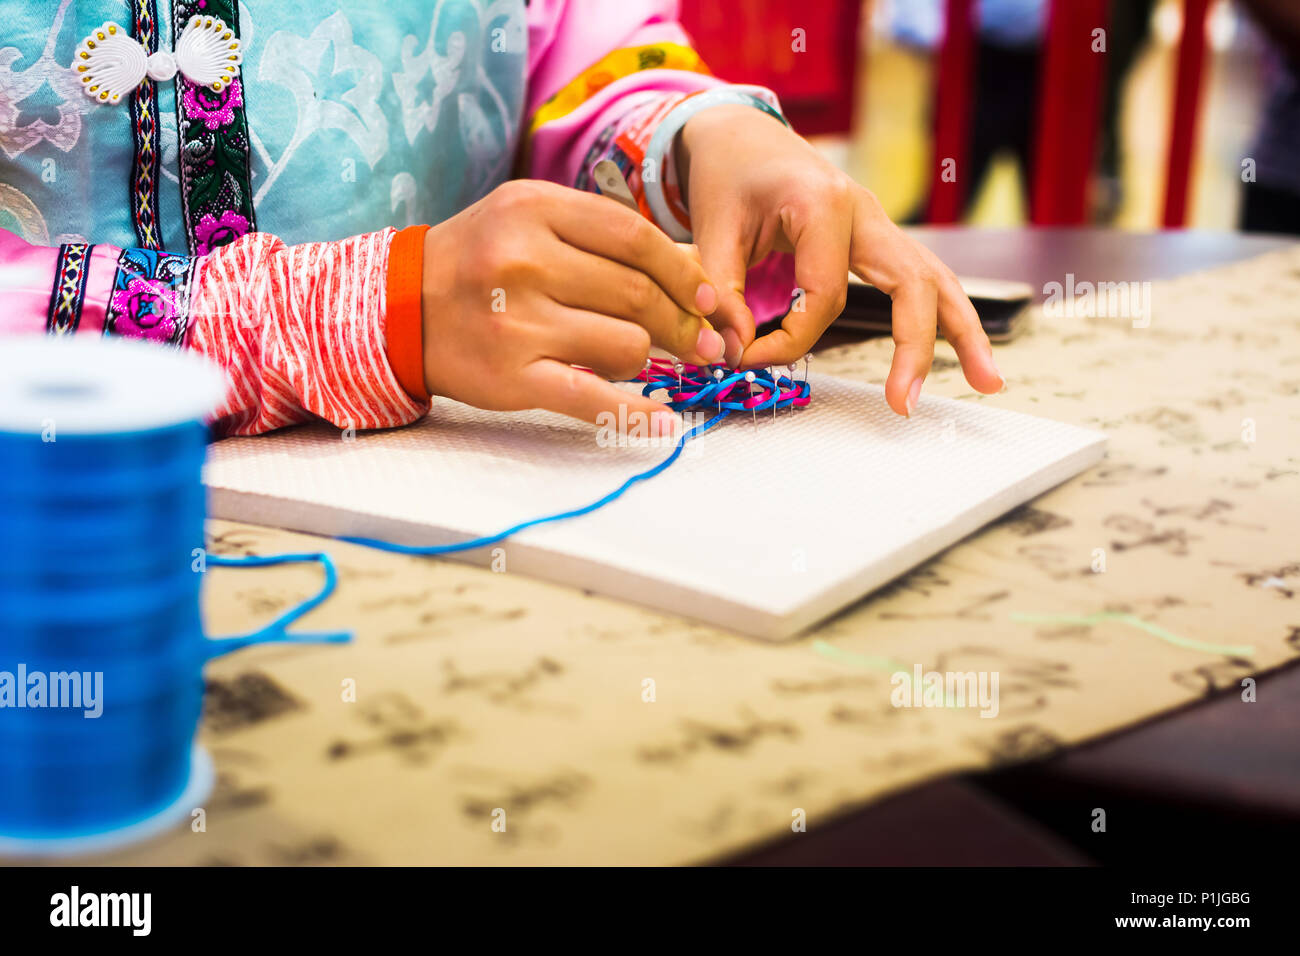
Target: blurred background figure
(1272,202)
(1198,130)
(1008,44)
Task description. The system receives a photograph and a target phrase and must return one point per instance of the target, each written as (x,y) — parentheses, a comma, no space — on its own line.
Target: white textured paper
(762,526)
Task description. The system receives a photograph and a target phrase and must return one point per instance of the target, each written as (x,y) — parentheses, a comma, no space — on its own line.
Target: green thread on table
(848,657)
(1231,650)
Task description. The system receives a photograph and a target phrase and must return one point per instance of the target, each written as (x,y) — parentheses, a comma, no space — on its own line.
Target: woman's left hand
(752,186)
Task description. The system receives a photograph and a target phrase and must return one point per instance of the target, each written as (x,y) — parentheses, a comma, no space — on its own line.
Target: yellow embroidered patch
(611,67)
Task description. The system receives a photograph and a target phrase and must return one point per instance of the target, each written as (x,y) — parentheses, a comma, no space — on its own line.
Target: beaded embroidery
(111,63)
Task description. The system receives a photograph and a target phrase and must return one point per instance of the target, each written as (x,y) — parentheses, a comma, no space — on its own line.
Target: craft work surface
(1046,254)
(862,496)
(601,732)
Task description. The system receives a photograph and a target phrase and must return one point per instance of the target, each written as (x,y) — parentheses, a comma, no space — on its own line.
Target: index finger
(605,228)
(821,267)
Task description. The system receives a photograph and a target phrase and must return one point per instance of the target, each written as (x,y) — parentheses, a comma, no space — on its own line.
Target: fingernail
(706,298)
(1001,377)
(733,349)
(664,424)
(913,396)
(710,346)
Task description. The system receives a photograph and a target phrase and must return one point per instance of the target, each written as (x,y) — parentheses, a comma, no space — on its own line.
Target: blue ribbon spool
(101,559)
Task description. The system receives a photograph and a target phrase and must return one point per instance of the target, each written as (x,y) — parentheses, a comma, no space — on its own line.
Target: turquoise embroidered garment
(342,136)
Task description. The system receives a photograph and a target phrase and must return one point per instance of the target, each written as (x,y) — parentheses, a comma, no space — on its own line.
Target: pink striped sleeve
(300,333)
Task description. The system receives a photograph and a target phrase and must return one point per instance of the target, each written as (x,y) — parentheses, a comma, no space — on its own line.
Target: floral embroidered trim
(151,296)
(69,292)
(144,132)
(215,189)
(615,66)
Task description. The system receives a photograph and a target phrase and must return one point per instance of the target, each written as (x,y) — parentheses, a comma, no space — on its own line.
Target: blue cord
(276,631)
(707,392)
(96,580)
(483,542)
(101,641)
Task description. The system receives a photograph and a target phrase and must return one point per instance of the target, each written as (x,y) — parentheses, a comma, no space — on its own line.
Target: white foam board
(762,527)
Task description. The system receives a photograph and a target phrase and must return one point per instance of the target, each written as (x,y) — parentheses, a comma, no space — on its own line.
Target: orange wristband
(404,331)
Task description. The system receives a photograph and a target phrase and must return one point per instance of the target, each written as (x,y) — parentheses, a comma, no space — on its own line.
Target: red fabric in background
(952,111)
(1069,111)
(751,42)
(1187,97)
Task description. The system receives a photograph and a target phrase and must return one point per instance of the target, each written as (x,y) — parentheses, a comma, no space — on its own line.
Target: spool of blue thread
(101,553)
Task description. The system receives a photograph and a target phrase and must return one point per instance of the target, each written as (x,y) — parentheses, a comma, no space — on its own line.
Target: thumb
(724,255)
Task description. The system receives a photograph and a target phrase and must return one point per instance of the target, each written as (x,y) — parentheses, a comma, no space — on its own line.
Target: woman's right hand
(537,278)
